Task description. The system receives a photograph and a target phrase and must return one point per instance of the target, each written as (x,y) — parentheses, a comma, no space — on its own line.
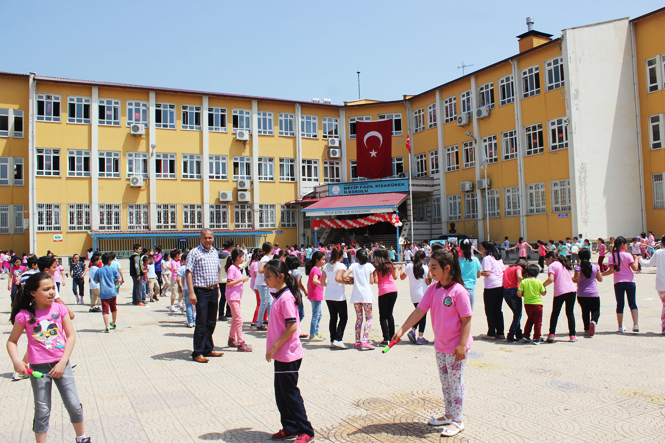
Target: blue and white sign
(370,187)
(563,215)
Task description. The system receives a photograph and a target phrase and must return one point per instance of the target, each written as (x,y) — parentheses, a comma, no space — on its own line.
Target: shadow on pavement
(236,435)
(184,354)
(419,430)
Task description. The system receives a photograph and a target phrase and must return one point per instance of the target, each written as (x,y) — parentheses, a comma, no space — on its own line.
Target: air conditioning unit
(483,183)
(466,186)
(244,197)
(136,181)
(463,120)
(225,196)
(482,112)
(137,129)
(333,143)
(334,153)
(242,135)
(244,185)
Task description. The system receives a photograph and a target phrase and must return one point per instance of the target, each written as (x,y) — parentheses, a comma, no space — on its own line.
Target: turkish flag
(374,148)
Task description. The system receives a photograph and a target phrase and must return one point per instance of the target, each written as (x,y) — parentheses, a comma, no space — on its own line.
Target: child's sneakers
(17,376)
(550,338)
(538,342)
(281,435)
(244,347)
(106,331)
(636,328)
(621,329)
(573,338)
(113,325)
(525,339)
(338,344)
(366,345)
(233,343)
(317,337)
(422,341)
(592,328)
(304,438)
(412,336)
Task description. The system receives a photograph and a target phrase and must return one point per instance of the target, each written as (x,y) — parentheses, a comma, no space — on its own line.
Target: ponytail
(491,249)
(233,257)
(24,300)
(465,246)
(560,258)
(311,263)
(418,259)
(618,242)
(277,268)
(585,264)
(448,258)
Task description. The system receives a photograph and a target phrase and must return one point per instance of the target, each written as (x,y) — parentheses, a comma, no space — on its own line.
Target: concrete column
(254,129)
(152,180)
(298,151)
(479,156)
(204,162)
(94,160)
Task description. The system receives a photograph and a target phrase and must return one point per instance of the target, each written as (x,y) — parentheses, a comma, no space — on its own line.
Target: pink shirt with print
(283,312)
(447,306)
(46,337)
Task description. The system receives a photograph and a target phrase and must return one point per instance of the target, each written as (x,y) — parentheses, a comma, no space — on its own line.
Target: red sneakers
(282,434)
(304,438)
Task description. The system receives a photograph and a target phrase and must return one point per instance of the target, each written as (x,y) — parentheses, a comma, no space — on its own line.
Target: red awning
(356,202)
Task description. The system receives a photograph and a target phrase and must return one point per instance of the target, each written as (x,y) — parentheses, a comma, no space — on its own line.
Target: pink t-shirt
(175,265)
(386,283)
(563,282)
(601,250)
(234,292)
(624,274)
(447,306)
(521,247)
(253,269)
(46,337)
(57,275)
(542,251)
(495,279)
(283,311)
(314,292)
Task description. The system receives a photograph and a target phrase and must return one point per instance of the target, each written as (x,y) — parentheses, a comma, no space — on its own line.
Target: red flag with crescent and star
(374,148)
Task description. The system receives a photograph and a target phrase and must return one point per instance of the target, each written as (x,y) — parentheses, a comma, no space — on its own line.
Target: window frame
(287,124)
(162,110)
(431,116)
(240,161)
(534,192)
(506,90)
(486,95)
(267,216)
(114,210)
(192,216)
(506,138)
(78,217)
(332,171)
(52,154)
(554,69)
(79,103)
(465,102)
(511,201)
(530,81)
(450,109)
(265,123)
(396,118)
(288,217)
(421,165)
(143,108)
(352,124)
(167,217)
(559,189)
(287,165)
(419,120)
(137,158)
(103,165)
(493,198)
(49,217)
(468,155)
(655,71)
(169,160)
(309,126)
(471,205)
(192,167)
(657,126)
(269,164)
(77,154)
(216,115)
(313,165)
(241,120)
(143,212)
(434,166)
(218,213)
(529,148)
(223,167)
(487,142)
(454,204)
(52,100)
(114,106)
(329,127)
(658,190)
(452,152)
(556,141)
(189,112)
(244,213)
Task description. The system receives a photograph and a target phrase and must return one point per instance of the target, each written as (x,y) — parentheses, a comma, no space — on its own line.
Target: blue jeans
(629,289)
(515,304)
(472,295)
(301,310)
(316,318)
(142,290)
(188,307)
(266,303)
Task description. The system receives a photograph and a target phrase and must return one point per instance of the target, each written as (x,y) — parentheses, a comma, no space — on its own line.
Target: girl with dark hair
(385,275)
(470,266)
(333,280)
(542,251)
(658,259)
(234,285)
(253,270)
(586,275)
(521,247)
(315,292)
(512,277)
(558,269)
(493,295)
(362,297)
(51,340)
(419,280)
(260,285)
(450,309)
(293,263)
(622,264)
(284,346)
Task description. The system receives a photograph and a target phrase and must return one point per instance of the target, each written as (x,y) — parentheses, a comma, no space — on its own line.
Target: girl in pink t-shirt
(234,285)
(315,292)
(622,264)
(253,270)
(602,249)
(450,309)
(385,275)
(565,291)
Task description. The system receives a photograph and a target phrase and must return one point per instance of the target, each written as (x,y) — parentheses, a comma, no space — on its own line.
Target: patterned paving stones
(138,383)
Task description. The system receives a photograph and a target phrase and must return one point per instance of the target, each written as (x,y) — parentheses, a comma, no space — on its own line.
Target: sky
(283,49)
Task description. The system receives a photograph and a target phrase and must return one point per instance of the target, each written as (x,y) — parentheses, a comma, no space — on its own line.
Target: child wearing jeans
(107,277)
(315,292)
(531,289)
(177,280)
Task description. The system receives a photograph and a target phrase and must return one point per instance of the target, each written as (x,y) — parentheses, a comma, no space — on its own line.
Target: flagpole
(411,198)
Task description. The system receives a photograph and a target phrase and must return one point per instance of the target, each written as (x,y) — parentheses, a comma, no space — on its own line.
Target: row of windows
(79,217)
(6,212)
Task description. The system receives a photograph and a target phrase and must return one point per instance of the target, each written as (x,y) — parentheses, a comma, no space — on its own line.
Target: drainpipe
(638,117)
(32,162)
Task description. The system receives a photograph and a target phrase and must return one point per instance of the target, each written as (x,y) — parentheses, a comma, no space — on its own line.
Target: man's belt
(209,288)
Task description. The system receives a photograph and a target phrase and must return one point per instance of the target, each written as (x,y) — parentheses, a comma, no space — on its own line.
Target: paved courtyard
(138,383)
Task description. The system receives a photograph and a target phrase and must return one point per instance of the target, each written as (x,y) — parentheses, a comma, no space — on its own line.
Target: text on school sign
(371,187)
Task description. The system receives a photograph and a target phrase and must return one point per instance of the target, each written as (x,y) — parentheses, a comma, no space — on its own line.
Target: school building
(564,137)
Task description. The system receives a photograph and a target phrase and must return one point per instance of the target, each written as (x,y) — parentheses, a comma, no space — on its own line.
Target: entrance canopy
(355,204)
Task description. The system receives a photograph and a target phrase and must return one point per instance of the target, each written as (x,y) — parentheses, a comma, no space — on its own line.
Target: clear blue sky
(284,49)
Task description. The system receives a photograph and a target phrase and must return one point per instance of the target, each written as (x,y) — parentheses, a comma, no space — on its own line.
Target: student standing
(14,283)
(542,251)
(558,270)
(153,284)
(260,285)
(166,274)
(622,266)
(293,264)
(385,275)
(235,281)
(107,278)
(493,294)
(531,290)
(362,297)
(470,267)
(95,265)
(315,292)
(418,274)
(157,254)
(77,271)
(586,275)
(136,273)
(512,277)
(334,282)
(658,260)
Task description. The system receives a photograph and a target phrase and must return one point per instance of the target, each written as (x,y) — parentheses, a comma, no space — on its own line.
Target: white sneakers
(338,344)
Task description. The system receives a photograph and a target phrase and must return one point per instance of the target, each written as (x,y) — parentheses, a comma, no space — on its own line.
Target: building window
(48,162)
(468,155)
(78,110)
(353,170)
(18,219)
(470,206)
(656,131)
(509,145)
(48,108)
(511,201)
(4,219)
(397,122)
(165,116)
(653,75)
(486,95)
(242,168)
(137,164)
(217,119)
(266,125)
(48,217)
(242,216)
(452,158)
(78,217)
(558,134)
(352,124)
(287,169)
(137,217)
(289,217)
(310,170)
(109,216)
(431,116)
(4,171)
(554,70)
(78,163)
(434,162)
(658,195)
(331,171)
(137,112)
(398,166)
(454,207)
(450,109)
(506,90)
(191,166)
(536,198)
(109,164)
(421,165)
(17,131)
(309,126)
(419,120)
(6,164)
(240,119)
(4,123)
(165,165)
(217,167)
(494,201)
(490,147)
(167,216)
(219,216)
(109,112)
(330,127)
(436,210)
(266,169)
(420,210)
(191,118)
(534,139)
(192,216)
(560,195)
(530,82)
(465,101)
(18,171)
(267,216)
(286,125)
